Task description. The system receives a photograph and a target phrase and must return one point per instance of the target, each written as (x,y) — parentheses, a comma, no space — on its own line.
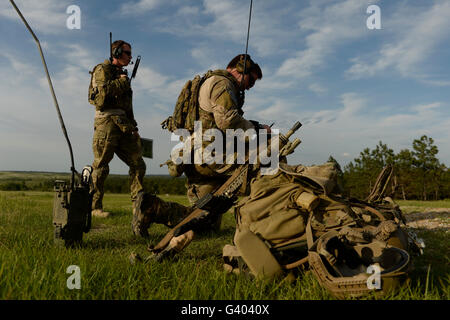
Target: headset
(244,64)
(117,51)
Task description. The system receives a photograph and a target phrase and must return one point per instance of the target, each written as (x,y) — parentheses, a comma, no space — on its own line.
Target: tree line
(418,173)
(113,184)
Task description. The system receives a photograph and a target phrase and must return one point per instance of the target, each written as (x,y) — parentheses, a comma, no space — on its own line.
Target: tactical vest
(98,96)
(187,111)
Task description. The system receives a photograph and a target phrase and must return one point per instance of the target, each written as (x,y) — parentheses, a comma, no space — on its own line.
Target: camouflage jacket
(109,91)
(220,103)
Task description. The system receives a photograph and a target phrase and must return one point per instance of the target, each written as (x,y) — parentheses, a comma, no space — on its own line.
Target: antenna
(61,121)
(246,46)
(110,47)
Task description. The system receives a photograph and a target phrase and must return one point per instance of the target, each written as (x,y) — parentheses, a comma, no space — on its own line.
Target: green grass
(33,267)
(425,204)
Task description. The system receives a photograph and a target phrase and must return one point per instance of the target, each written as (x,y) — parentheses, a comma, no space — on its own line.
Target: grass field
(32,267)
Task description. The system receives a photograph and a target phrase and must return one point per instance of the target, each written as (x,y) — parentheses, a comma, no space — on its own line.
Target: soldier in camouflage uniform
(220,102)
(115,129)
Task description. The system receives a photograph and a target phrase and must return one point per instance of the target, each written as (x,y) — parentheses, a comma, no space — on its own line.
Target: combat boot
(100,213)
(142,210)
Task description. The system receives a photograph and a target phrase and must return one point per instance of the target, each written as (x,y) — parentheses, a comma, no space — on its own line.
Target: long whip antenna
(246,46)
(61,121)
(110,47)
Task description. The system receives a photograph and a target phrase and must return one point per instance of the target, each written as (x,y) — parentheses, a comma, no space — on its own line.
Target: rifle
(214,201)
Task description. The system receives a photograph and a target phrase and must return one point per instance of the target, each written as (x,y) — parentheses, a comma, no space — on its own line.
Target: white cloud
(330,27)
(46,16)
(356,124)
(205,55)
(227,22)
(317,89)
(410,48)
(139,7)
(158,86)
(188,11)
(267,30)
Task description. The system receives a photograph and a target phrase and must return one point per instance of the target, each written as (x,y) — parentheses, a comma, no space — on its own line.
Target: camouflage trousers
(109,140)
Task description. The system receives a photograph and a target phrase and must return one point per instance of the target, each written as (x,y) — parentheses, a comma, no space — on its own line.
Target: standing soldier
(115,129)
(219,106)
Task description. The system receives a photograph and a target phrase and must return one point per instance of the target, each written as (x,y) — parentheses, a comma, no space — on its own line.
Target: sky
(350,86)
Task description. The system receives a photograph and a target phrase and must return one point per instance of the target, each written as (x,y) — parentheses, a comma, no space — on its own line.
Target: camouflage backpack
(186,110)
(95,97)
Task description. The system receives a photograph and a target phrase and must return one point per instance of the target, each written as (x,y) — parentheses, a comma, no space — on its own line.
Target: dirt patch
(428,218)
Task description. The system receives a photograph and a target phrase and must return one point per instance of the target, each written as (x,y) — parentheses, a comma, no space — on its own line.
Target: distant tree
(427,164)
(406,175)
(445,191)
(361,175)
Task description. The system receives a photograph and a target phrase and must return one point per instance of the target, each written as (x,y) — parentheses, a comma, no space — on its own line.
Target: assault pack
(95,96)
(186,107)
(186,110)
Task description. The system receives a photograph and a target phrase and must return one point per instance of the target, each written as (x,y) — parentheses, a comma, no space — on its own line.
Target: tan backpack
(96,97)
(186,110)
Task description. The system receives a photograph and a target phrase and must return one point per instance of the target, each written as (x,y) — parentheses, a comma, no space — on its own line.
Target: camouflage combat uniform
(220,107)
(113,126)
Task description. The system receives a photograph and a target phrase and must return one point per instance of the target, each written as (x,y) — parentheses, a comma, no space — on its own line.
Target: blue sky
(350,86)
